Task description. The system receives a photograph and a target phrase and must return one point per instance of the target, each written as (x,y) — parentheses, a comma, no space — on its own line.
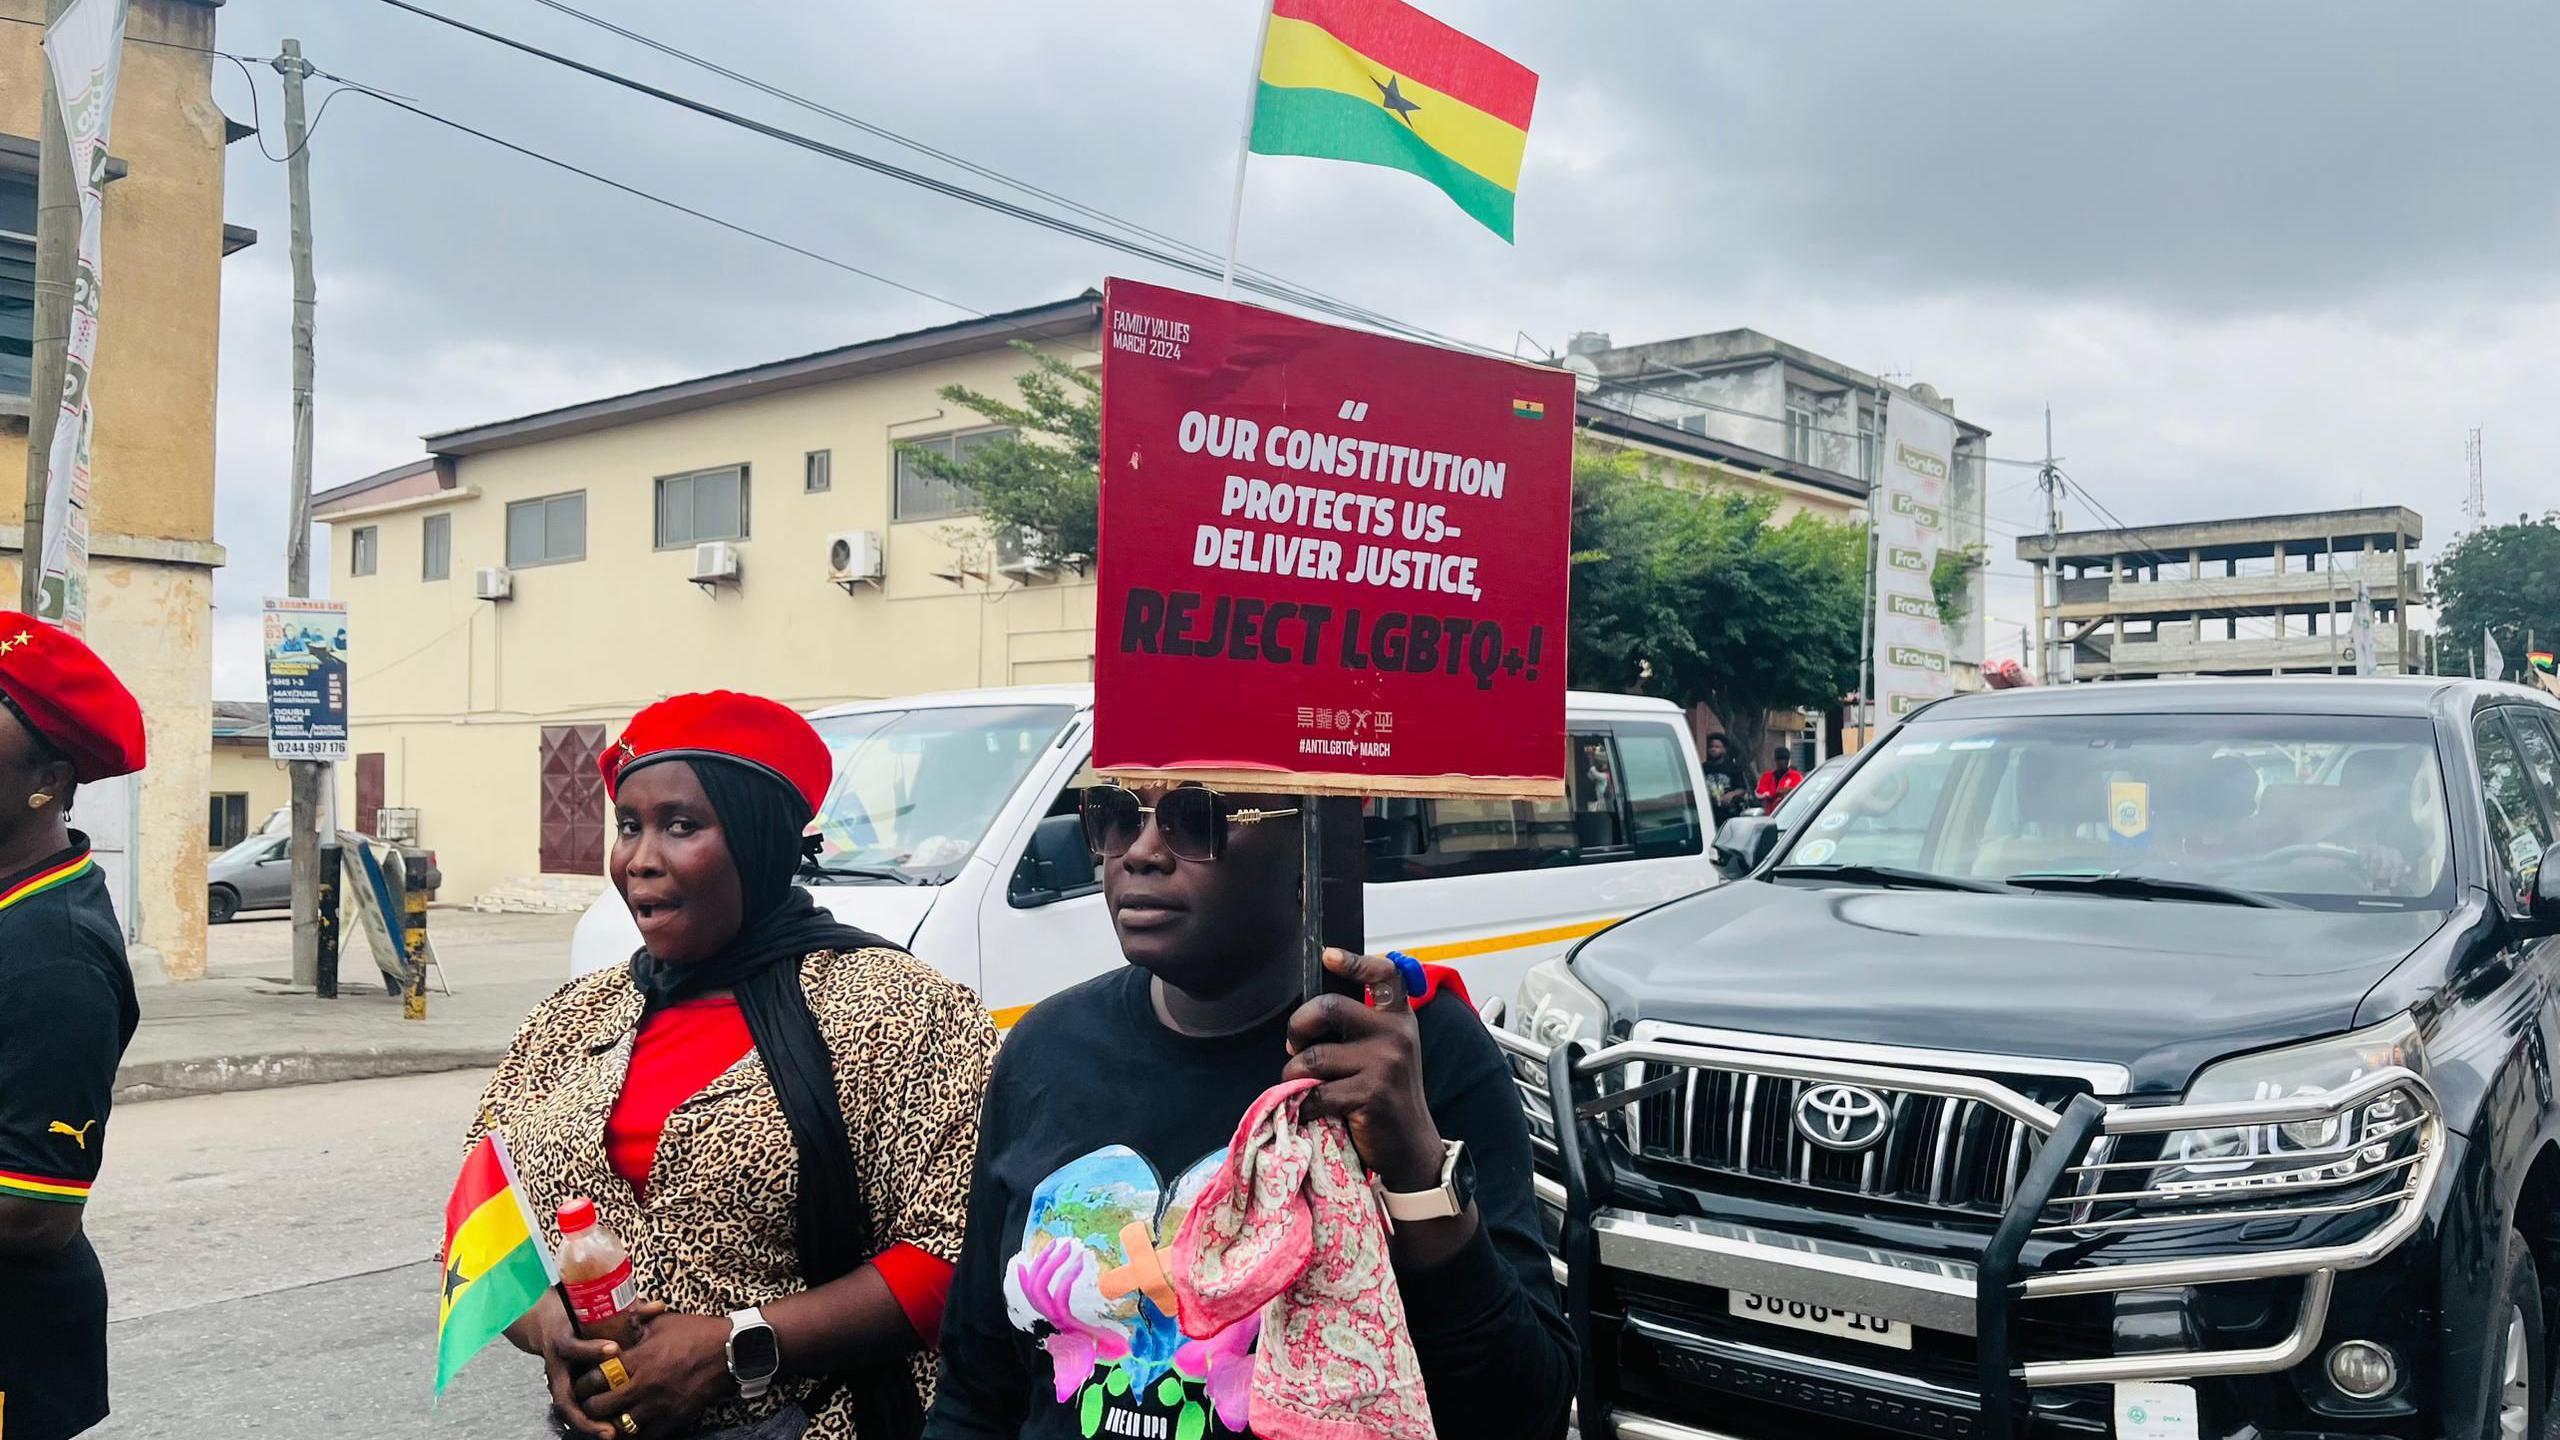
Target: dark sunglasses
(1193,820)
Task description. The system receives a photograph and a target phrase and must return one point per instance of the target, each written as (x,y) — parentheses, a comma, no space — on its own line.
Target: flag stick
(1244,151)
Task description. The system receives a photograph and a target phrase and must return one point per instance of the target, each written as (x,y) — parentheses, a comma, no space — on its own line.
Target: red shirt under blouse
(679,1051)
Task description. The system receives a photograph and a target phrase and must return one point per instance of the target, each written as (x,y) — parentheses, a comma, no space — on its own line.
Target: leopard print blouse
(716,1231)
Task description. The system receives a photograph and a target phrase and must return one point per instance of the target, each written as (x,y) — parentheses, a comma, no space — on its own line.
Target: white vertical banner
(1909,511)
(85,47)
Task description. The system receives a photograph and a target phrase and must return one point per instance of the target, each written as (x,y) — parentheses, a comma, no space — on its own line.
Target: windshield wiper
(2147,887)
(1889,875)
(889,873)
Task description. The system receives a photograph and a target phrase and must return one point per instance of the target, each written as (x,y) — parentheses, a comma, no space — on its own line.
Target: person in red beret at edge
(66,1013)
(775,1111)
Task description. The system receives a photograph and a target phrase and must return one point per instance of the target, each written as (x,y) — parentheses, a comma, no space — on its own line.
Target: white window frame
(364,550)
(690,479)
(546,558)
(948,444)
(817,472)
(428,529)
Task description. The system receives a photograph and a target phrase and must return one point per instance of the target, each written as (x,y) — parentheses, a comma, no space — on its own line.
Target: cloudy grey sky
(2270,256)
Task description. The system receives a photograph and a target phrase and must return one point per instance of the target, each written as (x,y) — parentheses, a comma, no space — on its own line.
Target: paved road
(270,1257)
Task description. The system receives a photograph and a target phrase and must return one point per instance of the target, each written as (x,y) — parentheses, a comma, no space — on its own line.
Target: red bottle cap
(576,1214)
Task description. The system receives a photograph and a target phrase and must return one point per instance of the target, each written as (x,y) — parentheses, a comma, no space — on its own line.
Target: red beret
(748,729)
(62,691)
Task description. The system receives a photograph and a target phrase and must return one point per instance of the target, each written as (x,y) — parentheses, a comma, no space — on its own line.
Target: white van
(952,829)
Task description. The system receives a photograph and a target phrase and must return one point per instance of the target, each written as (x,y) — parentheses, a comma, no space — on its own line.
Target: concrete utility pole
(307,774)
(57,269)
(2049,575)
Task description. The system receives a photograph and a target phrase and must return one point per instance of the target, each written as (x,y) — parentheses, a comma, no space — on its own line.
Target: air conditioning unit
(1017,554)
(493,583)
(715,562)
(854,558)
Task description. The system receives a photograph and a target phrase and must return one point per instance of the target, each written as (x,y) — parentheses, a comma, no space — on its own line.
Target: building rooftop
(1618,424)
(1059,320)
(2241,537)
(239,720)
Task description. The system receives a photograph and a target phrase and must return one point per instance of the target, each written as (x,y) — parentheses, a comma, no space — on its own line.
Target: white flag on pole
(2493,661)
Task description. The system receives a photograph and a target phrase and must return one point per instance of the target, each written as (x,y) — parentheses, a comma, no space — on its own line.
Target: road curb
(226,1074)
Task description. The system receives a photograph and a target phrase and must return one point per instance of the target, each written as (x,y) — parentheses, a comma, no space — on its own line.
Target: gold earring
(38,800)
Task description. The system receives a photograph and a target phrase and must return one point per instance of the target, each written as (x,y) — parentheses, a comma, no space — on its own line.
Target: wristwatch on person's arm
(755,1356)
(1456,1191)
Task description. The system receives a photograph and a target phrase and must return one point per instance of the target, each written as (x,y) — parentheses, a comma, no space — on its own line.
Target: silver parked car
(256,874)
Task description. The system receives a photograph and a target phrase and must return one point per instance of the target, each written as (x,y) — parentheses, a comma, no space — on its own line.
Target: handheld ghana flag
(495,1264)
(1378,82)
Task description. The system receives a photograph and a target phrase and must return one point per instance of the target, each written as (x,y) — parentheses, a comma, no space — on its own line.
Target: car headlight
(1557,1009)
(2355,1139)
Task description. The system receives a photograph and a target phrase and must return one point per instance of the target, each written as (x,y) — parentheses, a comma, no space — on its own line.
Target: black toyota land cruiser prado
(2150,1060)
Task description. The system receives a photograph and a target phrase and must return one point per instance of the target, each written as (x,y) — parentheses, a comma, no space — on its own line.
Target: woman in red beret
(66,1012)
(775,1111)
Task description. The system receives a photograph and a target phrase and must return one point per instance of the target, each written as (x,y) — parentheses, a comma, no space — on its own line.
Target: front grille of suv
(1936,1151)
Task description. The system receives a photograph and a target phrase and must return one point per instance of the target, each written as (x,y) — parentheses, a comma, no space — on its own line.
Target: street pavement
(271,1268)
(239,1029)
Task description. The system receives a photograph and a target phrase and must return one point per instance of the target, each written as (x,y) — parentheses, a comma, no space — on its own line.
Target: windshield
(915,789)
(1808,793)
(2332,812)
(248,849)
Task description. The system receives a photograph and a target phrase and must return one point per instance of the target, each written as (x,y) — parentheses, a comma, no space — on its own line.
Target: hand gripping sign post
(1332,563)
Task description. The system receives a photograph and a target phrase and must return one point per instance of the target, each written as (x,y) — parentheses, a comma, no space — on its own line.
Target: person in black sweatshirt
(1112,1103)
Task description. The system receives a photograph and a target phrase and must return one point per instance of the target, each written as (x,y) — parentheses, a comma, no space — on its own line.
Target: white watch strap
(1436,1204)
(748,1319)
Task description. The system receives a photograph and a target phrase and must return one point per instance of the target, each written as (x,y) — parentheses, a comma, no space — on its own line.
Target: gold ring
(629,1425)
(614,1373)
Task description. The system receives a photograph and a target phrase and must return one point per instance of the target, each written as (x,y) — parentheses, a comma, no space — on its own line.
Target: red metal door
(369,793)
(572,800)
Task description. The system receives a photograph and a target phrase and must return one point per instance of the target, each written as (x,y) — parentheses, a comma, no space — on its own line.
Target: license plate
(1821,1319)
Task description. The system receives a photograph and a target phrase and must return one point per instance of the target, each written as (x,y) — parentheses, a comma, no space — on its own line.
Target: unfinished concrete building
(2264,595)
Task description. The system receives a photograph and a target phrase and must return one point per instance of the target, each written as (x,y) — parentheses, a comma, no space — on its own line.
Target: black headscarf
(762,819)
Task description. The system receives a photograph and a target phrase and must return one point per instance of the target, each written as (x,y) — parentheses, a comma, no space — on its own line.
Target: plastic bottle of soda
(596,1271)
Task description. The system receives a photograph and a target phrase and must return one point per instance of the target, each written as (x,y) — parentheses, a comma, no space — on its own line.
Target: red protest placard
(1331,562)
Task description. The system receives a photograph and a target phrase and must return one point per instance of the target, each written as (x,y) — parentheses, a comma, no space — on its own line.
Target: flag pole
(1244,152)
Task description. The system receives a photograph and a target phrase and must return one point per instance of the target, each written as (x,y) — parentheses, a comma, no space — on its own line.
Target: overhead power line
(635,191)
(1138,241)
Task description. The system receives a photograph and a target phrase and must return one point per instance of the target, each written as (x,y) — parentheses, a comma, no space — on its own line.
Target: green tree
(2504,579)
(1699,599)
(1039,482)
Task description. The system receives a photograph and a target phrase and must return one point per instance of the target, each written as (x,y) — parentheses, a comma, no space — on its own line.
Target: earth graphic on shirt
(1103,1314)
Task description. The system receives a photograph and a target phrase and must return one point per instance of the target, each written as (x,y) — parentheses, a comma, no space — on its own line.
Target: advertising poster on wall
(1331,562)
(306,679)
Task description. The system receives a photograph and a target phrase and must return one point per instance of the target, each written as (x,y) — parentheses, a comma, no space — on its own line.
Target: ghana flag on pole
(495,1266)
(1381,83)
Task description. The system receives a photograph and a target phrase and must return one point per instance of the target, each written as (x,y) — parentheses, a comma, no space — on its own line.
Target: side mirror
(2544,904)
(1056,862)
(1743,842)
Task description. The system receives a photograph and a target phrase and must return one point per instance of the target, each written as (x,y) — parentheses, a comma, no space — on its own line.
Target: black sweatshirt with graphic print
(1099,1116)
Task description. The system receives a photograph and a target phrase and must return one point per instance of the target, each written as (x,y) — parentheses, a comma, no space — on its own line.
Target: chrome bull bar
(1979,1300)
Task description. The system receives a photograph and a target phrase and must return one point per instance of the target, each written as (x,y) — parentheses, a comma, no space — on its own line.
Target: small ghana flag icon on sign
(1528,410)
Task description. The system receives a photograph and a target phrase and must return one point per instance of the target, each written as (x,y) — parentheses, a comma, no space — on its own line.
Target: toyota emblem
(1841,1117)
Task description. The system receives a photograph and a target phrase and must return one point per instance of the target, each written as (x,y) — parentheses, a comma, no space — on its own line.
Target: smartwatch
(755,1356)
(1456,1191)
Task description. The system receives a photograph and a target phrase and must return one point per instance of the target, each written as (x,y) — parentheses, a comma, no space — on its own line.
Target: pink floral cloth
(1289,1227)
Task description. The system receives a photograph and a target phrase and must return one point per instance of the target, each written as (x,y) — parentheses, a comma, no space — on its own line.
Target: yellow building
(243,786)
(515,596)
(520,591)
(151,511)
